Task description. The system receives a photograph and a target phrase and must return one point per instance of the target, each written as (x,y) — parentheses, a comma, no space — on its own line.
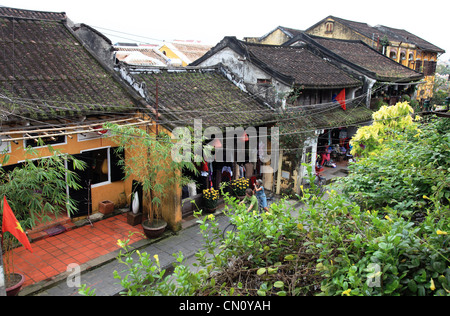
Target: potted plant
(210,199)
(149,161)
(239,186)
(34,190)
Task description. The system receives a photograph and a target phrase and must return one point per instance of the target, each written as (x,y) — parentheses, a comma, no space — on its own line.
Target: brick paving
(52,255)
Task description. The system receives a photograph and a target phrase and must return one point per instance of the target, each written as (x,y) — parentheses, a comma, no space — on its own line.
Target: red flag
(12,225)
(341,99)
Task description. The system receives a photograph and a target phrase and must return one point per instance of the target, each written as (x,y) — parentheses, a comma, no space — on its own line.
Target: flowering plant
(239,186)
(210,198)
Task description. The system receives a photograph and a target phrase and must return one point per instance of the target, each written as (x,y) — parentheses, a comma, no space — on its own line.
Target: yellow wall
(118,192)
(171,54)
(277,37)
(111,191)
(339,31)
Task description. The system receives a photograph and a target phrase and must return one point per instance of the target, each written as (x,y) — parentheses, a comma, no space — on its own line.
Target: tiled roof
(302,119)
(192,51)
(406,37)
(392,34)
(39,15)
(364,56)
(46,73)
(149,51)
(291,65)
(187,94)
(303,66)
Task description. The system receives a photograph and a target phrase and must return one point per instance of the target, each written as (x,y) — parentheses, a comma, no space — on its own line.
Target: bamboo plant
(35,190)
(149,161)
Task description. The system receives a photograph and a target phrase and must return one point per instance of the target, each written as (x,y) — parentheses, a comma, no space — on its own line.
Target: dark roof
(407,37)
(29,14)
(46,73)
(302,119)
(292,65)
(398,35)
(362,55)
(201,93)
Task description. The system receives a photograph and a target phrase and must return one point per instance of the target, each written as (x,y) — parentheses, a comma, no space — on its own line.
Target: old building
(53,88)
(204,98)
(299,83)
(400,45)
(384,79)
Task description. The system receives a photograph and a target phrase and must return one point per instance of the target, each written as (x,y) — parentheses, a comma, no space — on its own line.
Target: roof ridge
(8,12)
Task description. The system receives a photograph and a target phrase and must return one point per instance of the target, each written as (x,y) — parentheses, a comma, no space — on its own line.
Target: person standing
(261,195)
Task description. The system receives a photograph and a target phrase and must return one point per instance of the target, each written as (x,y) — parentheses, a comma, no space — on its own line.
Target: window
(264,81)
(103,165)
(329,27)
(5,146)
(44,141)
(418,65)
(393,55)
(429,67)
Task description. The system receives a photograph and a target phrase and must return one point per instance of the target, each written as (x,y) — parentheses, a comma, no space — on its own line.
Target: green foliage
(369,253)
(404,169)
(149,160)
(389,121)
(38,187)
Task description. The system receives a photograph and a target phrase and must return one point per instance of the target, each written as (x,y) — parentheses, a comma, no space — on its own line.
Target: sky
(209,21)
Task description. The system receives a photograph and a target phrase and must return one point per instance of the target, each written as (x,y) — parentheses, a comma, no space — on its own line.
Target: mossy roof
(46,73)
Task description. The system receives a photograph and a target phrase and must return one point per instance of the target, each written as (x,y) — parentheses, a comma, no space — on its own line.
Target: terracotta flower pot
(106,207)
(15,285)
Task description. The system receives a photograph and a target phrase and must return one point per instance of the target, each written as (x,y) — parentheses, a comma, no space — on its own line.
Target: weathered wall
(247,76)
(277,37)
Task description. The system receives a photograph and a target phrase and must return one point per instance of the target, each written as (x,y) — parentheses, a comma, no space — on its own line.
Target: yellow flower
(388,218)
(440,232)
(300,226)
(120,243)
(346,292)
(425,197)
(156,258)
(211,217)
(432,286)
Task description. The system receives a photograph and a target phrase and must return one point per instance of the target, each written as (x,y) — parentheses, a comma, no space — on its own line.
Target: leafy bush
(403,169)
(328,247)
(378,253)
